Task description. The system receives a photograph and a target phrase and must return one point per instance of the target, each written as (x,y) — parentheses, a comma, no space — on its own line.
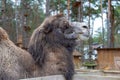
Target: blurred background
(20,17)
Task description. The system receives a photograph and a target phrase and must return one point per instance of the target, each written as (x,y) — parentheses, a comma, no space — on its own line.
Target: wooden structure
(77,59)
(108,58)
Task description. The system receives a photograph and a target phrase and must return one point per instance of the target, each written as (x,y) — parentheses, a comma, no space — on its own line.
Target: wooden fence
(77,77)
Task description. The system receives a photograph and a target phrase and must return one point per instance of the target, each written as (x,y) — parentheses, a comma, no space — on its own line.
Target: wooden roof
(76,53)
(108,49)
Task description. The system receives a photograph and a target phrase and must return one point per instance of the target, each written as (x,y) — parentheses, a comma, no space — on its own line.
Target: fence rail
(97,75)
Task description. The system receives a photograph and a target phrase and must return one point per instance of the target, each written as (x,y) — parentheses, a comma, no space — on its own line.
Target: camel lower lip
(72,36)
(86,35)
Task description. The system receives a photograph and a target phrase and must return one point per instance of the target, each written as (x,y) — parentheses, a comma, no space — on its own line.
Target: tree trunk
(90,38)
(68,8)
(47,7)
(102,23)
(3,13)
(80,19)
(111,25)
(89,21)
(24,26)
(80,10)
(18,24)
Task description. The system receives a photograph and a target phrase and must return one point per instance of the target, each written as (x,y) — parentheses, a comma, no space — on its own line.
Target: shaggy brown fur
(51,50)
(15,63)
(51,47)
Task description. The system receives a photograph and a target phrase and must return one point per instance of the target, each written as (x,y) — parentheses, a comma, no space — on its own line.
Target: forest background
(20,17)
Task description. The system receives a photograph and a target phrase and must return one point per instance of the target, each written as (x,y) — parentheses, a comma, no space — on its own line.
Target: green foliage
(35,11)
(89,63)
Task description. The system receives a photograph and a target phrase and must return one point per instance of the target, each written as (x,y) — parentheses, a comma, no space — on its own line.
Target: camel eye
(85,27)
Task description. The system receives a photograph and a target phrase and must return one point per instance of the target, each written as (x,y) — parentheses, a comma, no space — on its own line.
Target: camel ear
(48,28)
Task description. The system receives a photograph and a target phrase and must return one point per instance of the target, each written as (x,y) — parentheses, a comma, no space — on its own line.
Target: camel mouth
(72,35)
